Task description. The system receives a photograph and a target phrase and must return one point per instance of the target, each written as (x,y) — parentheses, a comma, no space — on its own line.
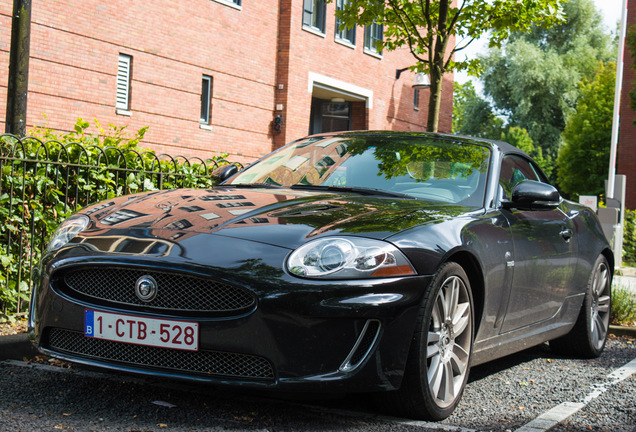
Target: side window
(514,170)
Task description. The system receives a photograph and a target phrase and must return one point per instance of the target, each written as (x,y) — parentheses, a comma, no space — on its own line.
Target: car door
(542,255)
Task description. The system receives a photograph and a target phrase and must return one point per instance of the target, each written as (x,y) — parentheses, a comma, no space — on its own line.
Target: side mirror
(532,194)
(224,172)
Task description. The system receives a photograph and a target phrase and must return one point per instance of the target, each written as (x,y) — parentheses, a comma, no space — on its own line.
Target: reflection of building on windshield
(302,164)
(314,160)
(436,169)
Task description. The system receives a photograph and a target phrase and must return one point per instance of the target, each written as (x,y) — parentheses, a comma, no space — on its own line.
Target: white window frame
(341,35)
(236,4)
(314,19)
(370,35)
(206,100)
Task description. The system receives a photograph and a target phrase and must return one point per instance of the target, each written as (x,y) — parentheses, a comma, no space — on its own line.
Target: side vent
(362,347)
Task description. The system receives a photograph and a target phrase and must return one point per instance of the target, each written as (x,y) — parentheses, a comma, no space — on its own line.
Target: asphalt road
(520,392)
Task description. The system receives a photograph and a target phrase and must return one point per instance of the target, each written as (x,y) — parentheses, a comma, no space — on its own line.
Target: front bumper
(300,335)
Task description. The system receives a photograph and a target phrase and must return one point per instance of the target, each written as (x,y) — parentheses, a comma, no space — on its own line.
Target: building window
(234,3)
(314,14)
(372,35)
(345,35)
(416,98)
(327,116)
(124,67)
(206,99)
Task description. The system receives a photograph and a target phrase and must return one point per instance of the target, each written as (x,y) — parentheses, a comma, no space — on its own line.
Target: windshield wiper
(353,189)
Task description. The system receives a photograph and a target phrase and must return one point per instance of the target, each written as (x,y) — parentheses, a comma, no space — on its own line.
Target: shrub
(623,306)
(629,237)
(47,176)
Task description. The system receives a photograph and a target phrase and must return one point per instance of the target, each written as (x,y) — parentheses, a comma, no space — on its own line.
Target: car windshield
(424,167)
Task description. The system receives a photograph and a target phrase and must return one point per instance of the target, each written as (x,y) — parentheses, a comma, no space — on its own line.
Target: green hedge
(47,176)
(629,238)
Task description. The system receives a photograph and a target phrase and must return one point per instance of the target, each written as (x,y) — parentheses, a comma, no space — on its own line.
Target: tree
(428,29)
(472,115)
(630,41)
(582,162)
(533,79)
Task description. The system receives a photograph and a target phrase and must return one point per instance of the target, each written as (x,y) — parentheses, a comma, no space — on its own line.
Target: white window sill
(373,54)
(205,126)
(124,112)
(345,42)
(313,30)
(230,4)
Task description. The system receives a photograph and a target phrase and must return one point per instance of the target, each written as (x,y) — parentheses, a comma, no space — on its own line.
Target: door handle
(566,234)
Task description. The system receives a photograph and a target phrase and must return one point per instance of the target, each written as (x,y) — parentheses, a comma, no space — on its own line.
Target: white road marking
(561,412)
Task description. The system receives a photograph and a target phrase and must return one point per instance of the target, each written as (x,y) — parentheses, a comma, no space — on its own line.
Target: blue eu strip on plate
(88,323)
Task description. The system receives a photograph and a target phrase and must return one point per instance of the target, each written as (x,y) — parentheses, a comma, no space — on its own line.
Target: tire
(439,357)
(587,337)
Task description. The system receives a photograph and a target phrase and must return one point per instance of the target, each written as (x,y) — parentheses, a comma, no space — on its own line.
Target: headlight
(66,231)
(348,258)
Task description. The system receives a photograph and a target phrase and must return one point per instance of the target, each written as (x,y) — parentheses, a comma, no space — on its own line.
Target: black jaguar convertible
(381,262)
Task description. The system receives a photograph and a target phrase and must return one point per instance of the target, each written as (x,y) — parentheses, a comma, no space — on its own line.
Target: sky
(610,9)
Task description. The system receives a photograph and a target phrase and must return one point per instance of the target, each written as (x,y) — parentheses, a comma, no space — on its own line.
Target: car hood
(281,217)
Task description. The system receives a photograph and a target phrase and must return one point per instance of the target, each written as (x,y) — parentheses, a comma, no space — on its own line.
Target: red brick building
(626,152)
(212,76)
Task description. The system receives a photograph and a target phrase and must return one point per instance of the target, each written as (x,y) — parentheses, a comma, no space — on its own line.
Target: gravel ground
(501,395)
(508,393)
(65,401)
(614,411)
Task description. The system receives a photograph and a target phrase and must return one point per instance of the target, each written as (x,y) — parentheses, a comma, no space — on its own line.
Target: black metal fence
(42,183)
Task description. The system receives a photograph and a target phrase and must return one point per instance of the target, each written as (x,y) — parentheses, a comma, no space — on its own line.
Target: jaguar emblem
(146,288)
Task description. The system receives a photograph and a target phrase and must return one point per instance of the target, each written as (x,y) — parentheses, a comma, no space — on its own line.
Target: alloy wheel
(449,341)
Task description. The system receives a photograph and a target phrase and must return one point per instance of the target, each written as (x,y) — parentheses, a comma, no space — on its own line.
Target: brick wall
(626,152)
(258,55)
(6,6)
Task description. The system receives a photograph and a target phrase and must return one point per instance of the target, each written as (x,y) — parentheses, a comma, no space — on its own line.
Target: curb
(18,346)
(618,330)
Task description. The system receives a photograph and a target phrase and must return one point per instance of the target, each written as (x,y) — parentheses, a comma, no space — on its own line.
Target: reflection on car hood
(282,217)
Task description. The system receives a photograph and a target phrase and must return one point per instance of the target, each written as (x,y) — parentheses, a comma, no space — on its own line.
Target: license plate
(138,330)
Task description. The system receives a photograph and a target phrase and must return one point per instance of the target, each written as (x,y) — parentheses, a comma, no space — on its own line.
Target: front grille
(176,292)
(205,363)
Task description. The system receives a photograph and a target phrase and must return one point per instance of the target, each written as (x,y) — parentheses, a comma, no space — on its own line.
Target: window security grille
(123,82)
